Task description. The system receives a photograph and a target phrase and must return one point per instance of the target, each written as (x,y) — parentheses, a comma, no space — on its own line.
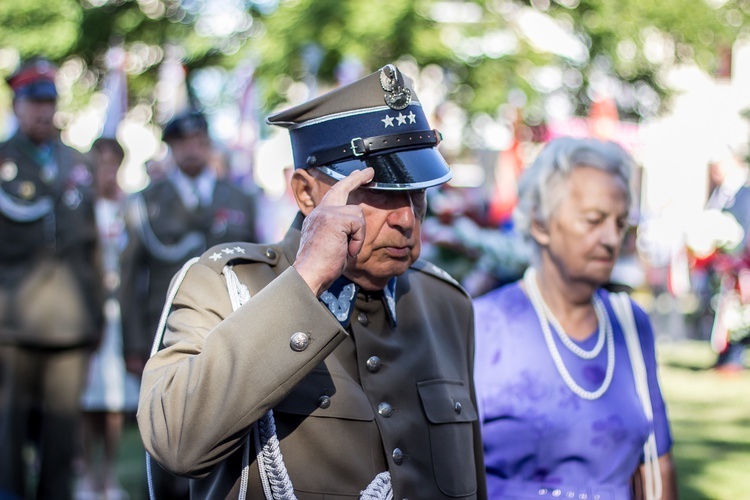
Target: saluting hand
(332,234)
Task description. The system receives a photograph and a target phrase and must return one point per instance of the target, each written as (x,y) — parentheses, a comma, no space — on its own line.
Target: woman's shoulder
(503,295)
(503,302)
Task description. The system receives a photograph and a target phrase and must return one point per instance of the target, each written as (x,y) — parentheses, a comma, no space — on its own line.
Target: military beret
(376,122)
(34,80)
(184,124)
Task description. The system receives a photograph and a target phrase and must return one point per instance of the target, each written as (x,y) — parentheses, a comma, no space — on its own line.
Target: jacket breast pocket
(451,414)
(327,395)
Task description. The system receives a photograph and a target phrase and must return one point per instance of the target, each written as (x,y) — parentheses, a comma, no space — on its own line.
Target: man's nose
(403,215)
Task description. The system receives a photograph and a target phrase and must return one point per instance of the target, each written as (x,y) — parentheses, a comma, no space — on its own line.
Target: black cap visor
(398,171)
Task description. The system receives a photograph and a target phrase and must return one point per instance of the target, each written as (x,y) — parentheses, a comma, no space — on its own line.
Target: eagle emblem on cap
(396,95)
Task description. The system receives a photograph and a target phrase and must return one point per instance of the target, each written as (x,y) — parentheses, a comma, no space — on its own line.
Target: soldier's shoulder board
(220,255)
(433,270)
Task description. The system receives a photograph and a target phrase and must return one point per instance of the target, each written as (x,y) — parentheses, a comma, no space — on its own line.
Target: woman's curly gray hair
(539,189)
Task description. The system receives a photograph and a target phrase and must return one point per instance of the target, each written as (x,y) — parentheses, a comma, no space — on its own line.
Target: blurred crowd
(85,269)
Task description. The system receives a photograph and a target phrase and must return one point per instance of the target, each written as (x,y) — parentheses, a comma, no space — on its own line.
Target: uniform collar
(42,154)
(341,296)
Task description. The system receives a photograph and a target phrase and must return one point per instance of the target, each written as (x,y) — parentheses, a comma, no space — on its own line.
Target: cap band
(42,90)
(323,136)
(32,74)
(360,147)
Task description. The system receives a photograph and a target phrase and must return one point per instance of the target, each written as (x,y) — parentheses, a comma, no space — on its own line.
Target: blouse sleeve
(661,423)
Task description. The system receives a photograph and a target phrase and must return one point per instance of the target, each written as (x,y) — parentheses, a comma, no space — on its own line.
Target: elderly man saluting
(335,363)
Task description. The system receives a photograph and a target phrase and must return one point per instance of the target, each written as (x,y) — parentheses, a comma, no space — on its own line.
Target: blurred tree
(530,53)
(37,27)
(496,49)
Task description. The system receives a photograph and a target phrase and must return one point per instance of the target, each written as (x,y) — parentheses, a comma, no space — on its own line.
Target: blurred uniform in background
(732,328)
(109,392)
(50,300)
(172,220)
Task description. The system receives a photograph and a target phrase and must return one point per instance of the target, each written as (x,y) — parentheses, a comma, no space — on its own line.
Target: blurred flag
(116,90)
(248,128)
(171,89)
(247,103)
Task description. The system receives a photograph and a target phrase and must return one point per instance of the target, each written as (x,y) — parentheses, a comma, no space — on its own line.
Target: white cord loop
(624,312)
(273,473)
(157,344)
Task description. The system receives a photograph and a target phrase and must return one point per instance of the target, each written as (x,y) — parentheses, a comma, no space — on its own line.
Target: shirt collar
(197,190)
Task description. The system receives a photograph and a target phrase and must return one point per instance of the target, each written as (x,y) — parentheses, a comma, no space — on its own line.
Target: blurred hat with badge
(34,80)
(376,122)
(185,125)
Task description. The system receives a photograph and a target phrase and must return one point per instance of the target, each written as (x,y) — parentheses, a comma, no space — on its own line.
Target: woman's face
(586,228)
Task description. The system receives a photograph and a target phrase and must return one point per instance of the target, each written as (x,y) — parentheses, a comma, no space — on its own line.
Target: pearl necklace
(605,332)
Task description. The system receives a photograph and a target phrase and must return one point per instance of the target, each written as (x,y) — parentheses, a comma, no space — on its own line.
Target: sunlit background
(668,79)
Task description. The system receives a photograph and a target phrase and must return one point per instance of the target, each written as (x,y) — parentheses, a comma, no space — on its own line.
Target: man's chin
(376,279)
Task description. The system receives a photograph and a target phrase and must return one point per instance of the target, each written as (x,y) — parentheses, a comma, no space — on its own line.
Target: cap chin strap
(358,146)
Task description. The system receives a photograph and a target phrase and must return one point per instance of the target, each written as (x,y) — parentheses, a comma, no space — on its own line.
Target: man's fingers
(357,237)
(339,192)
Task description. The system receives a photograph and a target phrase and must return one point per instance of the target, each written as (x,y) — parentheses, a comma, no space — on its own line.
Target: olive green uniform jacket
(341,417)
(50,286)
(162,235)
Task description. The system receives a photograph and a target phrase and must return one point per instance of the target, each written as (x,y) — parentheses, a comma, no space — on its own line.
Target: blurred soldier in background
(50,300)
(109,392)
(172,220)
(731,327)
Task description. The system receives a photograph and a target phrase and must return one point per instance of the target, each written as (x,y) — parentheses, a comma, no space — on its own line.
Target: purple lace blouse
(540,438)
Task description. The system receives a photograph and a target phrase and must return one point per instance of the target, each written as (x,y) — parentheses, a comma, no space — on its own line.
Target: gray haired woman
(557,383)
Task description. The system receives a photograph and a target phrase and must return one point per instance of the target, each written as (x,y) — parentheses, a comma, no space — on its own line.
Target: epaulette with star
(433,270)
(220,255)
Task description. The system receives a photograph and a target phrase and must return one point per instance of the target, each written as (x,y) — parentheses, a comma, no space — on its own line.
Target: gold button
(27,189)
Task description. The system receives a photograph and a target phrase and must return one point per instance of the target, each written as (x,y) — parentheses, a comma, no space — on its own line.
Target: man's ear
(306,189)
(539,232)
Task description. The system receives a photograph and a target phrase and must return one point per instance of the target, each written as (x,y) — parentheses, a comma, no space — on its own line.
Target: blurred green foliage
(38,27)
(294,40)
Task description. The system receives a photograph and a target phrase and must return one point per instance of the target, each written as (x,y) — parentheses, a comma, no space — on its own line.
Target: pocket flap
(446,401)
(345,398)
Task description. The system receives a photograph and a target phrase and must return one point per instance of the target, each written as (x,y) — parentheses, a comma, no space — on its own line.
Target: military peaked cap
(376,122)
(34,80)
(185,124)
